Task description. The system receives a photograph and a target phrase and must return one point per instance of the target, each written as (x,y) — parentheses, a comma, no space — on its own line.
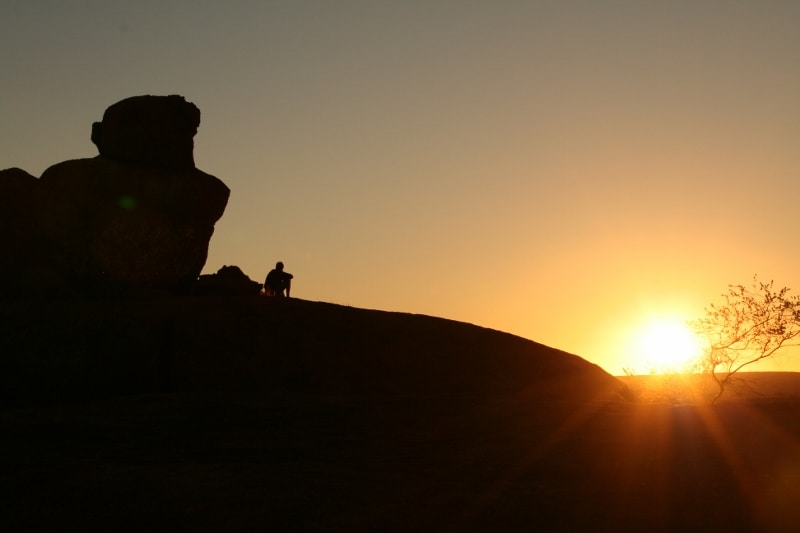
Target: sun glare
(666,345)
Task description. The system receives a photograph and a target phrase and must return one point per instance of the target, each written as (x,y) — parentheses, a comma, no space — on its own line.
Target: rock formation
(227,281)
(20,241)
(138,216)
(157,130)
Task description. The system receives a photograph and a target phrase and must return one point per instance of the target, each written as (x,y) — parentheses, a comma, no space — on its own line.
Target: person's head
(279,265)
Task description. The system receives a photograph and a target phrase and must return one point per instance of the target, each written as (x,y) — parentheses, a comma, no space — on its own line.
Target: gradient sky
(562,170)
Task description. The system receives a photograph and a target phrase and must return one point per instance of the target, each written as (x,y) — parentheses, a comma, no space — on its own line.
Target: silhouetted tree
(751,325)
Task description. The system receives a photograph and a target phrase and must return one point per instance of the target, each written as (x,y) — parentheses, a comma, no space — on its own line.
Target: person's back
(278,281)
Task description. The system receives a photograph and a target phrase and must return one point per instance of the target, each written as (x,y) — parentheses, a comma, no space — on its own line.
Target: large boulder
(17,195)
(158,130)
(138,216)
(22,255)
(114,225)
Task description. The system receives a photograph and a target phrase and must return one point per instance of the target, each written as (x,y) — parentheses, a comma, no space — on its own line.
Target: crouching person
(278,282)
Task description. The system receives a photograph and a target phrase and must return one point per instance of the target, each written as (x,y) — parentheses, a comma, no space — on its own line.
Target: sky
(567,171)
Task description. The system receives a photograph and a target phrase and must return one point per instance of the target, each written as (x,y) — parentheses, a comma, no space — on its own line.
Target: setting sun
(666,345)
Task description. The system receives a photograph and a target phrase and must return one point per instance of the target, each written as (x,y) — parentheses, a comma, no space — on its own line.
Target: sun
(666,345)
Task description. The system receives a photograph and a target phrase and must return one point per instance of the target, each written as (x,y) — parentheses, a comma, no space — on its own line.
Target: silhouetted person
(278,281)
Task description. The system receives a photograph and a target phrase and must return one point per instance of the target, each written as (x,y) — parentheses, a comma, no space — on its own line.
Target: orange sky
(559,170)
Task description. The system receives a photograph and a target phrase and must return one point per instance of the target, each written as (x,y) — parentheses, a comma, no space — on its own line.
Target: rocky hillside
(67,350)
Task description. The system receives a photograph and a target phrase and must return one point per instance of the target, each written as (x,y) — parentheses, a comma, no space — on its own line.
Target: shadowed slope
(317,347)
(68,350)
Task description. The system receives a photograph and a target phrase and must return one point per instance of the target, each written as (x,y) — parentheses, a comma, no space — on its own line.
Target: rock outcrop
(113,224)
(227,281)
(157,130)
(17,195)
(138,216)
(22,255)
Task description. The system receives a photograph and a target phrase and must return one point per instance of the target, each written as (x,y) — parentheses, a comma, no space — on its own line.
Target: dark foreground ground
(230,462)
(260,414)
